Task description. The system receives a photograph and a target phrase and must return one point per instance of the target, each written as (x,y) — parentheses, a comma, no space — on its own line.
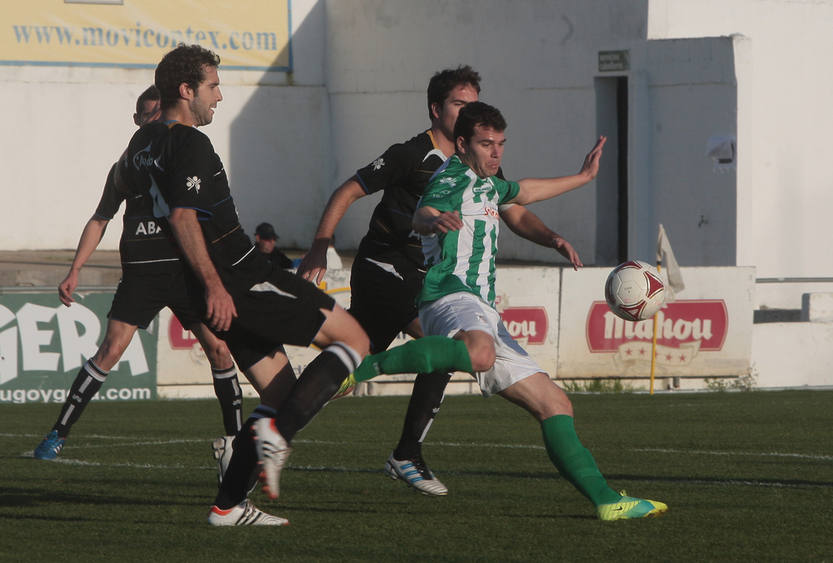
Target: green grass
(747,476)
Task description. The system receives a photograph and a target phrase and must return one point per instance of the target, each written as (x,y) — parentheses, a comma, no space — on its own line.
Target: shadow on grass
(536,475)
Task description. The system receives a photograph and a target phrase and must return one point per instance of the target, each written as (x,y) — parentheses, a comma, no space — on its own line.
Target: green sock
(423,355)
(574,461)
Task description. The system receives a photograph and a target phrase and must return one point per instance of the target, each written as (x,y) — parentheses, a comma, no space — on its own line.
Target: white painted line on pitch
(342,469)
(733,453)
(130,442)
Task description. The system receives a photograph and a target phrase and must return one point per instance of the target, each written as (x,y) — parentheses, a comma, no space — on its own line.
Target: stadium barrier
(560,318)
(43,344)
(557,314)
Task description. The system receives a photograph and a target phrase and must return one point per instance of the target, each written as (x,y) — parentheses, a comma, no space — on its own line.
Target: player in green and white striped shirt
(458,220)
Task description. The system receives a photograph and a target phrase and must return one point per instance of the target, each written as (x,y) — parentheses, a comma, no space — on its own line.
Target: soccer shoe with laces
(50,447)
(244,514)
(272,453)
(416,474)
(629,508)
(222,448)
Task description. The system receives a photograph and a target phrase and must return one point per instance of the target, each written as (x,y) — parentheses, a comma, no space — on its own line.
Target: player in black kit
(388,271)
(148,259)
(250,302)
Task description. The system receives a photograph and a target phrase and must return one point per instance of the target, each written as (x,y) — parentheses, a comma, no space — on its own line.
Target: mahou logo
(528,323)
(684,328)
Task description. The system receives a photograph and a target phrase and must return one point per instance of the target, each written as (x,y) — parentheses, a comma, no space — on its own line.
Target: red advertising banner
(704,322)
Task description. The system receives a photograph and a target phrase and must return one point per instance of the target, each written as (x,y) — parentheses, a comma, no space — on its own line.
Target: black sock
(86,385)
(227,390)
(426,398)
(242,469)
(315,387)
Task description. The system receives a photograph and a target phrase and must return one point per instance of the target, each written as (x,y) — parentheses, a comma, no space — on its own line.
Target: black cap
(266,231)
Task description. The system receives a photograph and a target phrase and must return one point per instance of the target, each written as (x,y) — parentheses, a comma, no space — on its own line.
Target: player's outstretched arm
(524,223)
(90,237)
(428,221)
(220,308)
(314,265)
(538,189)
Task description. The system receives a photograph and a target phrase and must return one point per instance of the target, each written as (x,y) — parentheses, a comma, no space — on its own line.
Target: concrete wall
(65,126)
(747,68)
(784,187)
(682,92)
(537,61)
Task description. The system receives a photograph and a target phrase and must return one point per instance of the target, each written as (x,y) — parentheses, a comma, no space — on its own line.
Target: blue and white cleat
(50,447)
(416,474)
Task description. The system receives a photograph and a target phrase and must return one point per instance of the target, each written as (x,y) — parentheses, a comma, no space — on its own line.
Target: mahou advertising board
(527,299)
(706,331)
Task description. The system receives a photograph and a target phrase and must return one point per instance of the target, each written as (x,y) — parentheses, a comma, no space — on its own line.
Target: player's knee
(108,354)
(218,355)
(555,402)
(363,344)
(341,326)
(482,355)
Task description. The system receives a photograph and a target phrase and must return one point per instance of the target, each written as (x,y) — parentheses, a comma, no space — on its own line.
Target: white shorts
(465,311)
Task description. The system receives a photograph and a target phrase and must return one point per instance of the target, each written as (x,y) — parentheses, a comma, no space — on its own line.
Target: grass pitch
(747,477)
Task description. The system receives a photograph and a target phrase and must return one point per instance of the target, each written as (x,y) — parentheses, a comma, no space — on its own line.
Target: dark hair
(477,113)
(183,64)
(444,81)
(149,95)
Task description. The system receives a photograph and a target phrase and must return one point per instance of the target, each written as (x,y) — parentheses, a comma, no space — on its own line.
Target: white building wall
(64,127)
(784,90)
(537,59)
(360,71)
(683,92)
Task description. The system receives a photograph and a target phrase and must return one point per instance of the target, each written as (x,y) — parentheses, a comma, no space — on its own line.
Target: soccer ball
(634,291)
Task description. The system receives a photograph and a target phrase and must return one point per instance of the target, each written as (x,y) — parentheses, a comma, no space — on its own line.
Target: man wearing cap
(265,238)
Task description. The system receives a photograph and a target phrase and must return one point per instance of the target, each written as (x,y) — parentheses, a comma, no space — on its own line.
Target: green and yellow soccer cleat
(347,387)
(628,508)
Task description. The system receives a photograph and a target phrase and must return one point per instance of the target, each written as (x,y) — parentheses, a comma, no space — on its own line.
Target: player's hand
(567,251)
(590,167)
(219,308)
(314,264)
(66,287)
(446,221)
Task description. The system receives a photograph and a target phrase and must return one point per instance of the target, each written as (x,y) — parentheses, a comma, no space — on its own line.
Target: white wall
(65,126)
(360,72)
(784,90)
(683,91)
(537,60)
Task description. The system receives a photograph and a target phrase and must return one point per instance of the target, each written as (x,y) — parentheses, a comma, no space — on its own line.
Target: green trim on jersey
(464,260)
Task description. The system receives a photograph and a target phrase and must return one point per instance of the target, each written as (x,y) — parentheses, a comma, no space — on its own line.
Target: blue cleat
(50,447)
(415,473)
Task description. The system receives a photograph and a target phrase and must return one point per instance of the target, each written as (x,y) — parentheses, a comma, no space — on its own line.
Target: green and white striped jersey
(464,260)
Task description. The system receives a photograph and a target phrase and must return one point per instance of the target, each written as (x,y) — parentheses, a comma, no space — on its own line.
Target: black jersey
(144,246)
(172,165)
(402,172)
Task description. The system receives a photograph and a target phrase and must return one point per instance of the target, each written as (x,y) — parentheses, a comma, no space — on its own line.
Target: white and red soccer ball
(634,290)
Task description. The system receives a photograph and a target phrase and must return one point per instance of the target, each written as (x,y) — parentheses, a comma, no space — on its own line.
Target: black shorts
(274,307)
(141,295)
(384,302)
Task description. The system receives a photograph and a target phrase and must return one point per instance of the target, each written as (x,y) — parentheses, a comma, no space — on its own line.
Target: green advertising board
(43,345)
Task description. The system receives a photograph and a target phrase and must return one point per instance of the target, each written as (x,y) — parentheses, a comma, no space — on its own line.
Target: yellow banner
(247,34)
